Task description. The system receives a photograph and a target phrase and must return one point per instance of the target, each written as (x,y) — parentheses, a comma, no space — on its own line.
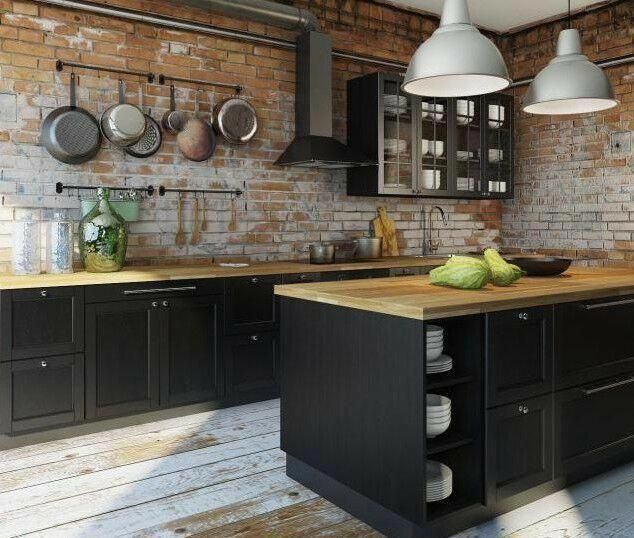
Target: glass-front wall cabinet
(435,147)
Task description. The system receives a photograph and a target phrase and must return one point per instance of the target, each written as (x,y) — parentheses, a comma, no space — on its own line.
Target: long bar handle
(606,304)
(609,386)
(158,290)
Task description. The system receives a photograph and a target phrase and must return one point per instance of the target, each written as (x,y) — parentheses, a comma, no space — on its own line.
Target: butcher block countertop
(414,297)
(158,273)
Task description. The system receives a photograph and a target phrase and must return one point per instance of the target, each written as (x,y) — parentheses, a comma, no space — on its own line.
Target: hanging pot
(235,119)
(71,134)
(197,140)
(152,138)
(123,124)
(173,120)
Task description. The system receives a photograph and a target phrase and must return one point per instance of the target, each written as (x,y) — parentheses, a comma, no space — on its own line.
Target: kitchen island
(541,371)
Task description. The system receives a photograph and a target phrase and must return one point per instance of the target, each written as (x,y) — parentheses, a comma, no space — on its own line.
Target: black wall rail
(234,192)
(164,79)
(60,187)
(61,64)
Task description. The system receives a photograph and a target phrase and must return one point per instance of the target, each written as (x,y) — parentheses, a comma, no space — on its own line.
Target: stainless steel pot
(322,253)
(123,124)
(368,248)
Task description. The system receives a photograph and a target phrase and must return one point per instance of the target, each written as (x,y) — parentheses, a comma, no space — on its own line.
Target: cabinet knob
(523,315)
(303,277)
(166,304)
(254,338)
(523,409)
(43,364)
(155,304)
(255,280)
(44,293)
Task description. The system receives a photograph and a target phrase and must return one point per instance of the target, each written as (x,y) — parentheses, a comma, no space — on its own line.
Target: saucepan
(123,124)
(368,248)
(321,253)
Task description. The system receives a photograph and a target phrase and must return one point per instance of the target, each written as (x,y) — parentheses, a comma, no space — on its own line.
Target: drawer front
(594,425)
(42,322)
(252,363)
(406,271)
(519,447)
(150,290)
(594,340)
(250,304)
(298,278)
(360,274)
(519,354)
(40,393)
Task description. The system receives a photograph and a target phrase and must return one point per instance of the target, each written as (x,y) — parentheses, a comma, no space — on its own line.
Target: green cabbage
(502,272)
(467,276)
(478,261)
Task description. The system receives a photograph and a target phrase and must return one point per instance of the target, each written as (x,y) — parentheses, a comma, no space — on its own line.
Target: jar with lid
(59,245)
(25,254)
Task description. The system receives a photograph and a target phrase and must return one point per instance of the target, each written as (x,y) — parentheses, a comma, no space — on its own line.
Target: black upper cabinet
(41,322)
(436,147)
(519,354)
(519,447)
(122,357)
(250,304)
(593,340)
(190,355)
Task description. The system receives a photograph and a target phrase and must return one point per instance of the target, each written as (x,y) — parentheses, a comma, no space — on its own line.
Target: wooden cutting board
(384,227)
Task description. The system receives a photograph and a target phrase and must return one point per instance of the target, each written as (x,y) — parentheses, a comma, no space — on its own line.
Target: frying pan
(173,120)
(123,124)
(197,140)
(236,120)
(540,265)
(71,134)
(152,137)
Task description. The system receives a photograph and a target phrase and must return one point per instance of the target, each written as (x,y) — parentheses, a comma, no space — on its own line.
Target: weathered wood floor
(221,474)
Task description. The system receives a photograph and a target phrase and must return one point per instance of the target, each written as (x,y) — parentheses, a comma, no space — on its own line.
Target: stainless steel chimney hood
(314,146)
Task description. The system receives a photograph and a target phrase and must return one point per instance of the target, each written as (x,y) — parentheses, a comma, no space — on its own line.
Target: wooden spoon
(195,238)
(180,238)
(203,222)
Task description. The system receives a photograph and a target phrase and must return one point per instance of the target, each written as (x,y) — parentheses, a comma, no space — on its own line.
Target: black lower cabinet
(41,393)
(594,426)
(122,357)
(519,447)
(252,364)
(190,354)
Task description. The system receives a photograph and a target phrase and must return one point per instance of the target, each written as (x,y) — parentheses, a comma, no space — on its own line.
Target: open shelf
(447,379)
(447,441)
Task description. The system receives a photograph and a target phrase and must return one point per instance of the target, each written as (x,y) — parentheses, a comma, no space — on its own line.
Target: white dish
(434,353)
(439,481)
(435,329)
(437,402)
(234,265)
(443,363)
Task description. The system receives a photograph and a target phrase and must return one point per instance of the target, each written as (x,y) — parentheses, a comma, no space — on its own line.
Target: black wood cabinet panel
(134,291)
(519,354)
(251,362)
(190,354)
(594,425)
(519,447)
(298,278)
(122,357)
(250,304)
(593,340)
(358,274)
(41,393)
(42,322)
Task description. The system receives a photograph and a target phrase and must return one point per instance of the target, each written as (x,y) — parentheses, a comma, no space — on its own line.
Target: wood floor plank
(127,474)
(352,528)
(140,429)
(150,450)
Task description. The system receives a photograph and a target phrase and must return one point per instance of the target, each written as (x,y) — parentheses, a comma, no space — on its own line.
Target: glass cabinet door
(468,146)
(499,158)
(397,151)
(433,150)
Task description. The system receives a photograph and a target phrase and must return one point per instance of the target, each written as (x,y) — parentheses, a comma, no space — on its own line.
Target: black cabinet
(250,304)
(594,426)
(593,340)
(41,393)
(299,278)
(122,357)
(252,364)
(519,354)
(519,447)
(40,322)
(357,274)
(190,350)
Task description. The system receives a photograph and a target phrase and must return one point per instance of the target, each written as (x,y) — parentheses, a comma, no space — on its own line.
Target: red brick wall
(574,187)
(287,208)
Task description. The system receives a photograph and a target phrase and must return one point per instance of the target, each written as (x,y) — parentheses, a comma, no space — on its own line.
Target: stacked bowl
(436,361)
(439,481)
(438,414)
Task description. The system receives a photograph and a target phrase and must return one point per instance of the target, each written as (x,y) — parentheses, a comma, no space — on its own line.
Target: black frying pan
(71,134)
(540,265)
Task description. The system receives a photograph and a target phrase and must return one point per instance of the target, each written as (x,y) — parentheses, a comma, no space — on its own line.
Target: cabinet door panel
(519,354)
(252,363)
(519,447)
(250,304)
(190,364)
(122,353)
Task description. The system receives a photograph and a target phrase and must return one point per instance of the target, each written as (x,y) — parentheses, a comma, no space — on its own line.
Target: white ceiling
(502,15)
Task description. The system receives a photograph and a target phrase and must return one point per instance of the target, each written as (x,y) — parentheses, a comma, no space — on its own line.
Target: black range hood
(314,146)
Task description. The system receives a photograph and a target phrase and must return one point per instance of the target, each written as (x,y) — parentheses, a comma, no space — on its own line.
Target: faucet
(429,245)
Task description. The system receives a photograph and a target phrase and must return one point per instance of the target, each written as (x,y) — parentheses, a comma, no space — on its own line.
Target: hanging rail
(61,64)
(236,192)
(164,79)
(59,187)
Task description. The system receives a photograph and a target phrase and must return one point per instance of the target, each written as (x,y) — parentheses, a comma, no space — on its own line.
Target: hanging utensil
(203,222)
(197,140)
(123,124)
(195,238)
(71,134)
(180,238)
(232,223)
(235,119)
(152,138)
(173,120)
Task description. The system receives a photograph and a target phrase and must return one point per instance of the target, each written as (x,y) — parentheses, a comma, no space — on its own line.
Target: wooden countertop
(414,297)
(179,272)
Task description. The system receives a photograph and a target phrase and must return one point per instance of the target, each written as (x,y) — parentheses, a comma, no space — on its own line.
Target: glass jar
(103,237)
(59,245)
(25,257)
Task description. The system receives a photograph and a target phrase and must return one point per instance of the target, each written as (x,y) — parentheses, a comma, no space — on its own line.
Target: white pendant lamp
(457,60)
(570,83)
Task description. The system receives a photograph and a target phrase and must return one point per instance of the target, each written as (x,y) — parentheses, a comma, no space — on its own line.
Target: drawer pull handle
(44,293)
(166,304)
(159,290)
(606,304)
(44,364)
(523,315)
(155,304)
(255,280)
(523,409)
(594,390)
(254,338)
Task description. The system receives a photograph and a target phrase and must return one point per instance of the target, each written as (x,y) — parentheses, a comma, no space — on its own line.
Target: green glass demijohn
(103,237)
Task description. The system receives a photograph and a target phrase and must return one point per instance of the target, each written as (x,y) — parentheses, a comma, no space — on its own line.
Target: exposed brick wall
(287,208)
(574,187)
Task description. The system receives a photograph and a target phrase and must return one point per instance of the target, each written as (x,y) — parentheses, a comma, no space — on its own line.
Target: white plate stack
(394,145)
(438,414)
(439,481)
(395,104)
(436,361)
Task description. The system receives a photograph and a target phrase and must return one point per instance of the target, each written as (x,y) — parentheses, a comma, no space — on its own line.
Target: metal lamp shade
(570,83)
(457,60)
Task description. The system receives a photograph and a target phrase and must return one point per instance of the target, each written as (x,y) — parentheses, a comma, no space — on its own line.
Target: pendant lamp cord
(569,16)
